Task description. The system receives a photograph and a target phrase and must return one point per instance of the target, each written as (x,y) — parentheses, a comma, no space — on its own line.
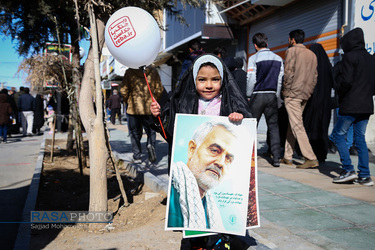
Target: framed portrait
(213,176)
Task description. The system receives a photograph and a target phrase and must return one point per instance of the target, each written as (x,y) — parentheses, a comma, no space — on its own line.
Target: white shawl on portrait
(191,204)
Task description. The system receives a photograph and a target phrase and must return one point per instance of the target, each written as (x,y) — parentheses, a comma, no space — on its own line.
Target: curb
(24,230)
(146,178)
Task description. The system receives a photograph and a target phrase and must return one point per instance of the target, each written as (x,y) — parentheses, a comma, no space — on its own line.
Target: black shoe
(151,153)
(367,181)
(267,154)
(332,147)
(353,151)
(276,163)
(137,159)
(345,176)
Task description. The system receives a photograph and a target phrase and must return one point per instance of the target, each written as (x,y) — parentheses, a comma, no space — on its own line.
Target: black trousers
(113,115)
(266,103)
(136,125)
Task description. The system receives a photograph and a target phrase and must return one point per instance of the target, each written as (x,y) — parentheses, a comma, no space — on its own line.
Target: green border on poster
(195,233)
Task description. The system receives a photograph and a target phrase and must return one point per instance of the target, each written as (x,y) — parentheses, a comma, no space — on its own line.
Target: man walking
(356,88)
(114,105)
(26,107)
(16,96)
(136,95)
(300,78)
(264,77)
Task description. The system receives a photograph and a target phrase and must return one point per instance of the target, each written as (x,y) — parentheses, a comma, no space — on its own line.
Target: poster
(211,165)
(253,208)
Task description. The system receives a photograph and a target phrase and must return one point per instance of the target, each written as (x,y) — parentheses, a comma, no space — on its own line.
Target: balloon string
(153,99)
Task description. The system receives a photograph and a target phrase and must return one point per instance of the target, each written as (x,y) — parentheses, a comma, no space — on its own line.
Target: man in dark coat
(26,107)
(114,105)
(356,88)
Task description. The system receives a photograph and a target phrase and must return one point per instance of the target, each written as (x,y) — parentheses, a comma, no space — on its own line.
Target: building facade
(324,22)
(233,24)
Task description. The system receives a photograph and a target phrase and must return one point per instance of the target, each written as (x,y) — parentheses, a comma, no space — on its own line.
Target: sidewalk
(299,208)
(17,173)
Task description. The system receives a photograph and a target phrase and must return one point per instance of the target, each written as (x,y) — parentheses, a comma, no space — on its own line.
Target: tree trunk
(76,119)
(70,141)
(94,125)
(81,145)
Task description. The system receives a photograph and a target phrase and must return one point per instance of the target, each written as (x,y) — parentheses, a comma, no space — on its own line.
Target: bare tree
(25,21)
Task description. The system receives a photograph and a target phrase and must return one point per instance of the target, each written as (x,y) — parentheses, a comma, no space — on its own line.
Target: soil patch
(63,188)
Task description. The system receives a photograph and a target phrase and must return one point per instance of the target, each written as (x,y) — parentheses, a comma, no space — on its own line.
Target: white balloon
(133,37)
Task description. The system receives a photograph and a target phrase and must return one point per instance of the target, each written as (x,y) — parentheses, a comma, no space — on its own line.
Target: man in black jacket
(26,107)
(114,105)
(356,87)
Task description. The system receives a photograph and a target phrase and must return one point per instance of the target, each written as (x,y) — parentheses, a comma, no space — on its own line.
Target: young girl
(50,116)
(206,88)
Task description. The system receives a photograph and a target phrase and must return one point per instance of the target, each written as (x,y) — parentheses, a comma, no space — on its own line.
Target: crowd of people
(22,113)
(294,95)
(301,85)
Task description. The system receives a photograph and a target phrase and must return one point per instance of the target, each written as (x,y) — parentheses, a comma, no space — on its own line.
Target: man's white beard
(207,181)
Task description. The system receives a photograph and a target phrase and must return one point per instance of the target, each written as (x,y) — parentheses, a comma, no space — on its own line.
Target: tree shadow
(59,190)
(63,188)
(11,206)
(329,167)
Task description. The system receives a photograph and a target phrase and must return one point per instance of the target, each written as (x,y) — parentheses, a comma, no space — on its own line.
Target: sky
(9,62)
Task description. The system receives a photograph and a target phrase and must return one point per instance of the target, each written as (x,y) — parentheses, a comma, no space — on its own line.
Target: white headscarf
(204,59)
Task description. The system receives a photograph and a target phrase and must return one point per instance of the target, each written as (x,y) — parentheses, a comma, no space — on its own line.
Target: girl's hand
(155,109)
(235,117)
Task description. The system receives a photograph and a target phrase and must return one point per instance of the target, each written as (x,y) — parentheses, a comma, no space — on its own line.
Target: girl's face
(208,82)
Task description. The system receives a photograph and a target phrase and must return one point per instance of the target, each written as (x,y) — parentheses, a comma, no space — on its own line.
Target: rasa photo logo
(70,217)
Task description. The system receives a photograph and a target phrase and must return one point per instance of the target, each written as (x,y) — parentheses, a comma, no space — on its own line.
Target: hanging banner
(65,50)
